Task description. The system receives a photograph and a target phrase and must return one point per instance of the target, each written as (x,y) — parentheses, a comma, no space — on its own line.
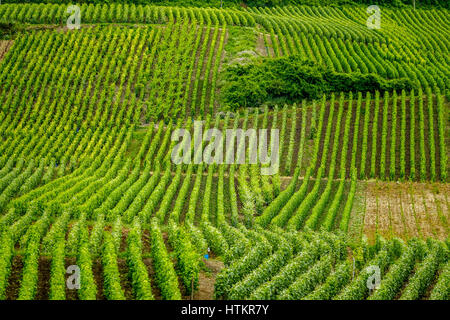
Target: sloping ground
(72,163)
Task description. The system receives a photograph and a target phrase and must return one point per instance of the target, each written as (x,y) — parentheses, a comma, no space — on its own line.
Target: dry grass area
(406,210)
(5,45)
(261,46)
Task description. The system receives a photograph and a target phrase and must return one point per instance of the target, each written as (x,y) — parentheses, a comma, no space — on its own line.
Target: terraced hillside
(87,177)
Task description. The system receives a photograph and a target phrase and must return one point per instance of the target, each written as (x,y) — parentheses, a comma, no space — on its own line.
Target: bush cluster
(290,79)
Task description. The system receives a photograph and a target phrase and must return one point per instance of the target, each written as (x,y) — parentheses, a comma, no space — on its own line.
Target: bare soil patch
(406,210)
(15,277)
(5,45)
(43,285)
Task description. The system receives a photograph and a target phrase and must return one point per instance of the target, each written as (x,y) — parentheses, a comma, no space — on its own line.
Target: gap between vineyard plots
(405,210)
